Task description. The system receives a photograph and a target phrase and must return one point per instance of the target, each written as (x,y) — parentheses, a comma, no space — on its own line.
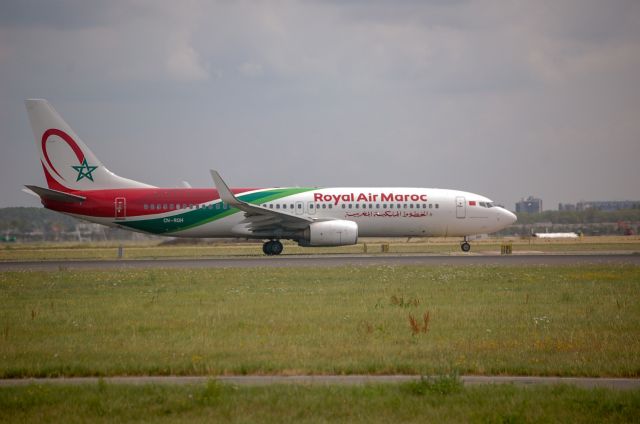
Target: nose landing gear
(465,246)
(272,247)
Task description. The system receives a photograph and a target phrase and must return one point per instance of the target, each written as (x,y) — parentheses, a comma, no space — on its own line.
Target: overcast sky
(501,98)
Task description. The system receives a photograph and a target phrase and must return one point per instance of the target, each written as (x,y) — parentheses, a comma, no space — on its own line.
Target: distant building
(566,207)
(529,205)
(606,205)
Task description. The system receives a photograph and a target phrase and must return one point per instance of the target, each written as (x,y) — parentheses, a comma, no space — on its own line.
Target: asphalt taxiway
(328,261)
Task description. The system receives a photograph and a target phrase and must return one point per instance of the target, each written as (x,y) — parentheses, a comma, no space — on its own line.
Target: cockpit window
(483,204)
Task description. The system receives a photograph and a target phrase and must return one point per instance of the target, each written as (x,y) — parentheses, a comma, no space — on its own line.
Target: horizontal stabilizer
(60,196)
(32,193)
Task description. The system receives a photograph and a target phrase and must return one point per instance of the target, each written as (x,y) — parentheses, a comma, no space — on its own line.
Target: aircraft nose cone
(509,217)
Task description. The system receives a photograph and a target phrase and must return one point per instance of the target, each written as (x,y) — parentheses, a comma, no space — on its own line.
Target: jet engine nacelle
(330,233)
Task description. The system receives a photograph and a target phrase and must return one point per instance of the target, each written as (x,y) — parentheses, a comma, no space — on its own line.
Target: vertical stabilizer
(68,164)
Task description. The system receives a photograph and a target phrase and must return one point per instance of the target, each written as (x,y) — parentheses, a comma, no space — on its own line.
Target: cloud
(419,89)
(183,62)
(251,69)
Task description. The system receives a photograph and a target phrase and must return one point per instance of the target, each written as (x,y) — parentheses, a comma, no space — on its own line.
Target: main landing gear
(272,247)
(465,246)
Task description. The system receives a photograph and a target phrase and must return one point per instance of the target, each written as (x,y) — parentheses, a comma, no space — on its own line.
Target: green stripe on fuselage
(181,220)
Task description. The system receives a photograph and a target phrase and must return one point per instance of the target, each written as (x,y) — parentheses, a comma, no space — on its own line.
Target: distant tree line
(589,216)
(40,224)
(587,222)
(33,219)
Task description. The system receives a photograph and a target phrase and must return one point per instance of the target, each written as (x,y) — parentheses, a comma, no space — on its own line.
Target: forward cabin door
(121,208)
(461,207)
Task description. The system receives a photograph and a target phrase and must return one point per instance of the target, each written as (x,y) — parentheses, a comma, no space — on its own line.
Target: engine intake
(338,232)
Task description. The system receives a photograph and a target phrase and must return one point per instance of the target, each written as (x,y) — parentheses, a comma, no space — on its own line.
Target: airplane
(78,184)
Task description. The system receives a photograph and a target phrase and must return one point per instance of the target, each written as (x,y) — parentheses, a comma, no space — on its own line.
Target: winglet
(223,190)
(229,198)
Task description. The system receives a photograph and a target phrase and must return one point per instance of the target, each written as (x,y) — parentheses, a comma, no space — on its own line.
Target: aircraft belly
(218,228)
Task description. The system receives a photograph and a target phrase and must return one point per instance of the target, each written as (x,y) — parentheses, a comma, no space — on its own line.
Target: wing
(259,220)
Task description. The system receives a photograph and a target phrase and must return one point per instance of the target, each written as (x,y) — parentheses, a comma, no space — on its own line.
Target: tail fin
(68,163)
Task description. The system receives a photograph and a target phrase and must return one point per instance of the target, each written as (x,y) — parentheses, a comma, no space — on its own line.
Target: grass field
(109,250)
(565,320)
(441,401)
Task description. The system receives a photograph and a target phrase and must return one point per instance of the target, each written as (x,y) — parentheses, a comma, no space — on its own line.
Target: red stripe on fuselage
(101,203)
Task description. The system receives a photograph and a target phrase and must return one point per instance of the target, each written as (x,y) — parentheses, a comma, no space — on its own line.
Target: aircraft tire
(276,247)
(272,247)
(465,247)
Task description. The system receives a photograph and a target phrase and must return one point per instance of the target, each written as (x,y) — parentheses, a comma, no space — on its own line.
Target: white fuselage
(378,212)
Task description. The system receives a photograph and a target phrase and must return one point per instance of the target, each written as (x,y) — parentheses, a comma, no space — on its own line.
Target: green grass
(109,250)
(214,402)
(541,320)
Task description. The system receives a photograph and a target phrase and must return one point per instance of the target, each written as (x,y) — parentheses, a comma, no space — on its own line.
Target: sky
(502,98)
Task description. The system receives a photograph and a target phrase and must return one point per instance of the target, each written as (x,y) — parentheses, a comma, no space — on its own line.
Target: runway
(348,380)
(287,261)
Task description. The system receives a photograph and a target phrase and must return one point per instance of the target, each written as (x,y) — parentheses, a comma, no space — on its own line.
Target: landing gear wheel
(276,247)
(272,247)
(465,246)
